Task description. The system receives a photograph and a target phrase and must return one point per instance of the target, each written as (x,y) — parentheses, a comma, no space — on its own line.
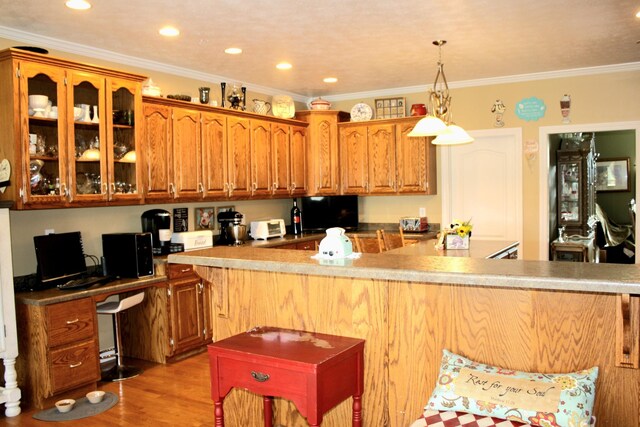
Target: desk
(58,338)
(315,371)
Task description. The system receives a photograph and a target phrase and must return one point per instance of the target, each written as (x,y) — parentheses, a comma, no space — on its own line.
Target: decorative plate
(282,106)
(361,112)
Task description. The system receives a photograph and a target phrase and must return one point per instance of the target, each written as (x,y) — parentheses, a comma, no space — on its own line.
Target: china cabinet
(73,148)
(576,171)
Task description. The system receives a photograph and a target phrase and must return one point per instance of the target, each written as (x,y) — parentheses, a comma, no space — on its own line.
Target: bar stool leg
(120,372)
(268,411)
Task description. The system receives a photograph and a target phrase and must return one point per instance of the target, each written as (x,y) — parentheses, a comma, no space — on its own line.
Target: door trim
(543,173)
(446,168)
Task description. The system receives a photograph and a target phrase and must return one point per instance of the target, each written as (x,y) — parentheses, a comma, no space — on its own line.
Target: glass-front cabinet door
(87,137)
(124,174)
(569,191)
(43,134)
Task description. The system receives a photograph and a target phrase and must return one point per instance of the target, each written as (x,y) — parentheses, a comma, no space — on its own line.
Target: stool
(314,371)
(119,372)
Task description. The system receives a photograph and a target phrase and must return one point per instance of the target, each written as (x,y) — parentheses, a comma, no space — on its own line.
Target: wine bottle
(296,219)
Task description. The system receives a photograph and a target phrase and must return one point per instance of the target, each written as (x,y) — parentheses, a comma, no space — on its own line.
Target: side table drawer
(281,381)
(74,365)
(70,321)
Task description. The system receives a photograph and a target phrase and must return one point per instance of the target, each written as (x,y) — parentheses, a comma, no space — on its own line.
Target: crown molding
(106,55)
(575,72)
(118,58)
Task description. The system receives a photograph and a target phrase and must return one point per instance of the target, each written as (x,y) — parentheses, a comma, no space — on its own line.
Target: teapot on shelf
(261,107)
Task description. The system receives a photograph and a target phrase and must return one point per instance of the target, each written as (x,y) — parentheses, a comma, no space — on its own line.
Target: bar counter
(532,316)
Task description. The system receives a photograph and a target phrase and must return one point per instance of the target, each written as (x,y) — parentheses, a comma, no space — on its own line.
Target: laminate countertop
(417,267)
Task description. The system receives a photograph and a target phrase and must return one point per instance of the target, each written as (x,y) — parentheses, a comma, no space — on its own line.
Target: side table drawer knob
(259,376)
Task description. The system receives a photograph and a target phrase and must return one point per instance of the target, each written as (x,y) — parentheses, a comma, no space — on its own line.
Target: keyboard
(84,282)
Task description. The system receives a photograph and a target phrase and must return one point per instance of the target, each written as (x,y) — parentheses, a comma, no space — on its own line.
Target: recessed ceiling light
(169,31)
(284,66)
(330,79)
(233,51)
(638,14)
(78,4)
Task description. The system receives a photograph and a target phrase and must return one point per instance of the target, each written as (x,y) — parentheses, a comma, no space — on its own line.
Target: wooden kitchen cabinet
(378,157)
(174,319)
(59,349)
(214,155)
(323,168)
(416,161)
(72,163)
(187,154)
(239,157)
(261,160)
(289,160)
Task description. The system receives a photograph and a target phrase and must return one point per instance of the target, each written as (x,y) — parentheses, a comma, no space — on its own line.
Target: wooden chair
(369,244)
(393,241)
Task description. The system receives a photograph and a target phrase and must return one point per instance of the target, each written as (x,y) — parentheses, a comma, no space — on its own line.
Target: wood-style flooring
(176,394)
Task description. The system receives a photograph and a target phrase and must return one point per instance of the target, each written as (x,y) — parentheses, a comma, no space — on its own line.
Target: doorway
(548,145)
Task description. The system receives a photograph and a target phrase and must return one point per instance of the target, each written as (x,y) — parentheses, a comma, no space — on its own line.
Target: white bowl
(38,101)
(65,405)
(95,396)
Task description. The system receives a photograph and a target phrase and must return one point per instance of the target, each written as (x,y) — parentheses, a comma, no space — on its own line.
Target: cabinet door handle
(275,186)
(200,287)
(254,186)
(172,190)
(201,188)
(259,376)
(71,322)
(64,190)
(75,365)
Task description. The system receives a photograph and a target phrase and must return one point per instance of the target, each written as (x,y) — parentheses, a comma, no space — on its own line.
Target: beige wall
(603,98)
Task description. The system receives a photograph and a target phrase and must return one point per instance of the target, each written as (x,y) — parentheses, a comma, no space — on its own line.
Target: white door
(482,181)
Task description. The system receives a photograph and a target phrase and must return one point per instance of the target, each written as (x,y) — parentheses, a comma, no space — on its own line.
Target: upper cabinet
(378,157)
(323,169)
(65,137)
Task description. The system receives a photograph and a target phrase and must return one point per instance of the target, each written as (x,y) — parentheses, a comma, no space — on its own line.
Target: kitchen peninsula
(523,315)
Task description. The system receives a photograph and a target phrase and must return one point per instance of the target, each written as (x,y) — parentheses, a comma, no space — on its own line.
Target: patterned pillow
(546,400)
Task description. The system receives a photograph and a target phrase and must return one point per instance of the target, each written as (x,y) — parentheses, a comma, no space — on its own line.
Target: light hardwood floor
(175,394)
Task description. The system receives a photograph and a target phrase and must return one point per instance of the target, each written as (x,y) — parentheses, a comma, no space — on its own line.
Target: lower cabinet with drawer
(58,350)
(173,321)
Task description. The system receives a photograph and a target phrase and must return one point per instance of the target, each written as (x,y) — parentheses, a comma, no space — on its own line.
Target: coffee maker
(227,220)
(158,223)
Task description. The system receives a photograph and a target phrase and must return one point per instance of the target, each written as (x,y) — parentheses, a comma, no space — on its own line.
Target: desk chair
(119,372)
(369,244)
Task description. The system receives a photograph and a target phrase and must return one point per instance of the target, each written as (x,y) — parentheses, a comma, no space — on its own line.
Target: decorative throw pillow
(546,400)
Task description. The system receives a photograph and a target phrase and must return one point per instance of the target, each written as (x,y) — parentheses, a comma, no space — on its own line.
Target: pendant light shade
(428,126)
(438,123)
(453,135)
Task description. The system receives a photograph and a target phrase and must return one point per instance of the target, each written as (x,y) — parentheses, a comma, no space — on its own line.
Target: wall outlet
(422,212)
(49,231)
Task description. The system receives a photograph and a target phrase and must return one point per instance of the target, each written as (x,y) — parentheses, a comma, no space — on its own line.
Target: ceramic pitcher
(261,107)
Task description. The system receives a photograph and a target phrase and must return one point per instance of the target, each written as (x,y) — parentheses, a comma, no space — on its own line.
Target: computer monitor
(60,258)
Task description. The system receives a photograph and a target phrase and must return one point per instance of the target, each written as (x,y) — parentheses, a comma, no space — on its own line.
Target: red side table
(314,371)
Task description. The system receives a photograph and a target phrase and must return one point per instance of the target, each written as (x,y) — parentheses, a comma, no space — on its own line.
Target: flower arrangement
(456,236)
(462,228)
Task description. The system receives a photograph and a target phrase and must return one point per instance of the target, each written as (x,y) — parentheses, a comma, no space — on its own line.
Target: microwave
(262,230)
(127,255)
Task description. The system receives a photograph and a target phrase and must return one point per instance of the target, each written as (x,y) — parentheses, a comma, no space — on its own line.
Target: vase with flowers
(456,236)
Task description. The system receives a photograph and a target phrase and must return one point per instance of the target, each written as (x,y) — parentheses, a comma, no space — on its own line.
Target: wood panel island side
(524,315)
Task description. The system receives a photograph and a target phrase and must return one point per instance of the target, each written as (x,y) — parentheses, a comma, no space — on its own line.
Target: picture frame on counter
(205,218)
(612,174)
(390,108)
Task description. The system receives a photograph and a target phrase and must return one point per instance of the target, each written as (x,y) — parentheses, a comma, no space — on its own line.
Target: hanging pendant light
(438,121)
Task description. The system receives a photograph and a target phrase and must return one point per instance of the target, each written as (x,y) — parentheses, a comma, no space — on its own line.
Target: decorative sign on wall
(531,109)
(180,219)
(565,108)
(498,109)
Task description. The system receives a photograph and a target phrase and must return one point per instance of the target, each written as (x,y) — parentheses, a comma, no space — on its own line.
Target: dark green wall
(618,144)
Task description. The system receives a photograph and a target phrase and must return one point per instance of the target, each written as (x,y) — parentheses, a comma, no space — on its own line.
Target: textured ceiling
(368,45)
